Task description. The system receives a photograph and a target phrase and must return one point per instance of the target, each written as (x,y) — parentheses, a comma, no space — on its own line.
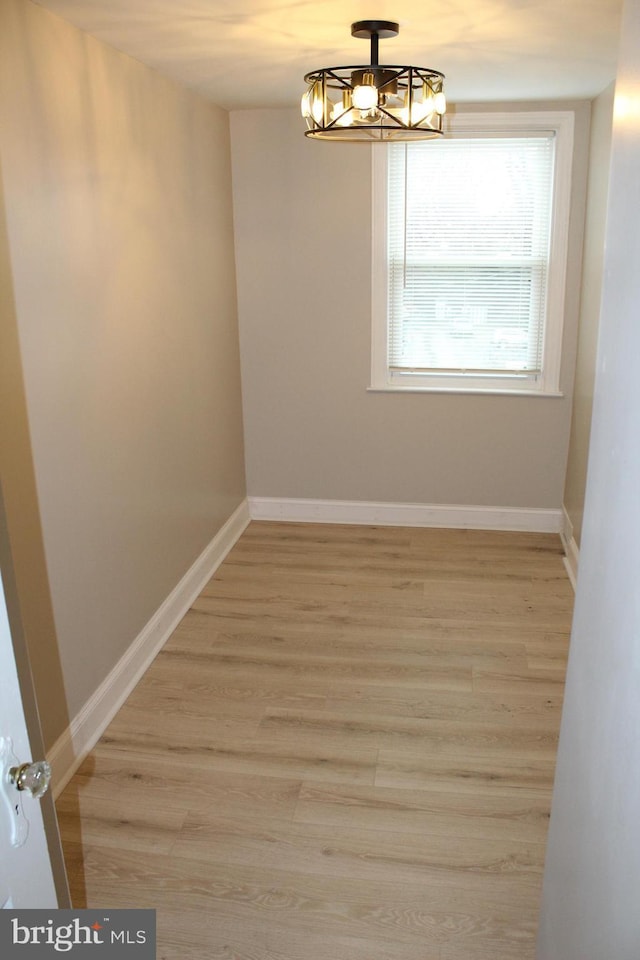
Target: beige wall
(17,479)
(599,152)
(303,238)
(117,186)
(592,873)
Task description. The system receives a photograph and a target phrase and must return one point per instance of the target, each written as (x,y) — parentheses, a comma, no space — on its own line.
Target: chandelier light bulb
(428,100)
(365,95)
(440,103)
(420,110)
(317,106)
(341,112)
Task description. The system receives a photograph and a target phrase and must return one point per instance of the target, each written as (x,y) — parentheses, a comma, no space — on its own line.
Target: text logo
(32,934)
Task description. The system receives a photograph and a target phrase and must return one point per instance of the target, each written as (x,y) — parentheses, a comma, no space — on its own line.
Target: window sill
(472,391)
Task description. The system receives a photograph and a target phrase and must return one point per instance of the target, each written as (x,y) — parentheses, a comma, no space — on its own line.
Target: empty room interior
(320,466)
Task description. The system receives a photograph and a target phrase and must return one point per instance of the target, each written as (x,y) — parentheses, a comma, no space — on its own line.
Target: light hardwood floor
(344,752)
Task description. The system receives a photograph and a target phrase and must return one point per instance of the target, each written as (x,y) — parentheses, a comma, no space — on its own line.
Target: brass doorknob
(33,777)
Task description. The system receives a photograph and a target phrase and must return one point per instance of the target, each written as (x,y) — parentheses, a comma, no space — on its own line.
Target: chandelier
(373,102)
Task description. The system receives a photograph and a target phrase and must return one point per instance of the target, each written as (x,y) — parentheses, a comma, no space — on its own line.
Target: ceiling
(254,53)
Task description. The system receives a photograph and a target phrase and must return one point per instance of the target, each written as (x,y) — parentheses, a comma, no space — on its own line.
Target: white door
(26,876)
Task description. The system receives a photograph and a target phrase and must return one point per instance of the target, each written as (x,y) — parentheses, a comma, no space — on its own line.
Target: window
(470,240)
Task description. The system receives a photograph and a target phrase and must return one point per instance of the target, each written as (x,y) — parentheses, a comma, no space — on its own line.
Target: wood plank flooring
(344,752)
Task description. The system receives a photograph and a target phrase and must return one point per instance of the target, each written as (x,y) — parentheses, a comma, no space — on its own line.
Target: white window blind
(468,239)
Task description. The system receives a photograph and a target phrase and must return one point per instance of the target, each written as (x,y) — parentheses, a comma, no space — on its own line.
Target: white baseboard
(87,727)
(571,549)
(406,514)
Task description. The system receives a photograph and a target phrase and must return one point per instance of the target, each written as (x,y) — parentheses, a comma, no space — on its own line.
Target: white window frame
(547,383)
